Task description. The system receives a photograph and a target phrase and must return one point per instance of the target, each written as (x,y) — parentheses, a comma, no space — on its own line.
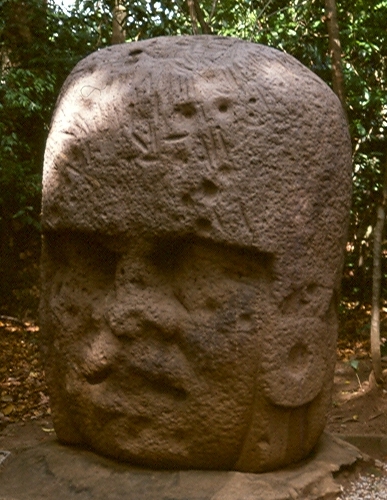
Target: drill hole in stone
(187,199)
(209,188)
(223,106)
(136,52)
(246,317)
(187,109)
(225,169)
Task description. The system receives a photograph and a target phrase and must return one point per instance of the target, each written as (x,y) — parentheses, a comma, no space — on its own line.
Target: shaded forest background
(40,42)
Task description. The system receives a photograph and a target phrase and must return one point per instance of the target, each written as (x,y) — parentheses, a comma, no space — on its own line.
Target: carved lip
(158,380)
(162,381)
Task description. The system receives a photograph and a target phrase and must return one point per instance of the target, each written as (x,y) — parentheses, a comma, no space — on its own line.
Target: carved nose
(144,316)
(99,357)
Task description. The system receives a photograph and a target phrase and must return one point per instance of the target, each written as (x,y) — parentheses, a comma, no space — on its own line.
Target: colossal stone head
(195,201)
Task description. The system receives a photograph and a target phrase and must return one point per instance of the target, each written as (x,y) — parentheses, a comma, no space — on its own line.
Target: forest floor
(358,405)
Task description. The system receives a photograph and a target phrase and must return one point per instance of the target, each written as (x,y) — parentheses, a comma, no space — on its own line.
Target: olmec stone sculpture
(195,201)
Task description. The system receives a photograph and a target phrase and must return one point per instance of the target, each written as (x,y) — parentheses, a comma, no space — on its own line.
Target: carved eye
(84,254)
(167,254)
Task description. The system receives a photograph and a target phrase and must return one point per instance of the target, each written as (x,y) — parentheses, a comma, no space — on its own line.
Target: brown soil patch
(359,407)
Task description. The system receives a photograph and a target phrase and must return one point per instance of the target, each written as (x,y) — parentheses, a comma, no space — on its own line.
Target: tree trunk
(119,16)
(335,52)
(192,15)
(197,16)
(376,283)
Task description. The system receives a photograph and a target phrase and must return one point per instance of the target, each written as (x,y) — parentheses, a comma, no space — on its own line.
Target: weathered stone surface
(50,471)
(195,200)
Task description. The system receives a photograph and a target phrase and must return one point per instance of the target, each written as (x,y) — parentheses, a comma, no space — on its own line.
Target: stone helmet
(225,141)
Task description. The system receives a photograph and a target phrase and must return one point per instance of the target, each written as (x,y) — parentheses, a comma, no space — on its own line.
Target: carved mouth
(158,381)
(162,382)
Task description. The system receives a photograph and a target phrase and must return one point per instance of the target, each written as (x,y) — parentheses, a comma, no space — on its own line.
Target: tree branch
(206,30)
(214,4)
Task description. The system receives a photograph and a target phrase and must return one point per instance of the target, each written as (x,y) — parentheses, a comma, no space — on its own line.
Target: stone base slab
(51,471)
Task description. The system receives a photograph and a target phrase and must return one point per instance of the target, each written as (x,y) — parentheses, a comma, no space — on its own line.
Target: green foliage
(364,42)
(38,48)
(39,45)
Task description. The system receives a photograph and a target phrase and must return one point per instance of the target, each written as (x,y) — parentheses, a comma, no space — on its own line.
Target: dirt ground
(358,406)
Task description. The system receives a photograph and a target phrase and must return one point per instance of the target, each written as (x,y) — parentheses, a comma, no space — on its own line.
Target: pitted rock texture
(195,201)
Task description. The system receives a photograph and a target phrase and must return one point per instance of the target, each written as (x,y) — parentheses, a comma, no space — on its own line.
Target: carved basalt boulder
(195,202)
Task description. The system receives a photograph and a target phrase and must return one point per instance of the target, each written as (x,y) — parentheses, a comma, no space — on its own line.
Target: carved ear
(294,361)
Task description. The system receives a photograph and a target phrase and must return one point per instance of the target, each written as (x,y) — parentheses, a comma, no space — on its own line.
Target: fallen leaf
(354,363)
(8,409)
